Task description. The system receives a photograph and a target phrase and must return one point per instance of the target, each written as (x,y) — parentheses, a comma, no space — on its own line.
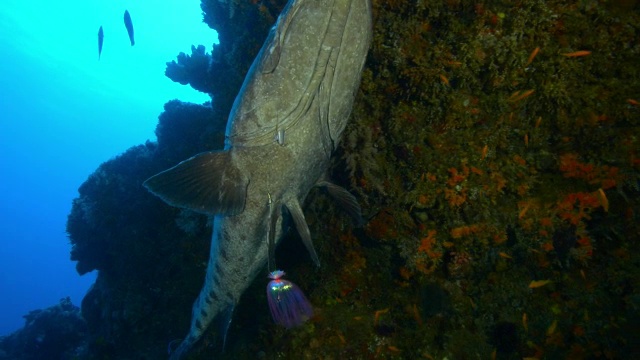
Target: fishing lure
(289,307)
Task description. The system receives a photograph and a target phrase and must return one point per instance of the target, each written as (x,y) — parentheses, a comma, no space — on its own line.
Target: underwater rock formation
(112,211)
(57,332)
(138,244)
(189,69)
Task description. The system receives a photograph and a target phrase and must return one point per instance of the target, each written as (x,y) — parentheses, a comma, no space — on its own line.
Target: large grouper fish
(283,127)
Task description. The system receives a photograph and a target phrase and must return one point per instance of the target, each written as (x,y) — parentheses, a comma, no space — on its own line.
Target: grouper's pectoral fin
(272,221)
(301,225)
(345,199)
(208,183)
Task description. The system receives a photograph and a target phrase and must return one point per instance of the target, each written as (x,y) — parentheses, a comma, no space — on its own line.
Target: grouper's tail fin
(208,183)
(224,321)
(182,349)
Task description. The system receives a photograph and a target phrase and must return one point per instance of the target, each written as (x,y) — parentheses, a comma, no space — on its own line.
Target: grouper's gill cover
(285,122)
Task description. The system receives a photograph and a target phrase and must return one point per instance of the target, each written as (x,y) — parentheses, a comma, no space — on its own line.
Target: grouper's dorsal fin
(208,183)
(346,200)
(301,225)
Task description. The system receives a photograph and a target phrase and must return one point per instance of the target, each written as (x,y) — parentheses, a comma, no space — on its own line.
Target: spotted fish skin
(283,127)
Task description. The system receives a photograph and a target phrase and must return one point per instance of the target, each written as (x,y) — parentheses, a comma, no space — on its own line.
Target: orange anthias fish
(538,283)
(100,39)
(129,25)
(579,53)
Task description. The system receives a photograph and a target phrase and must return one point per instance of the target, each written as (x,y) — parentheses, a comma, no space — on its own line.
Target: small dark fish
(129,25)
(100,38)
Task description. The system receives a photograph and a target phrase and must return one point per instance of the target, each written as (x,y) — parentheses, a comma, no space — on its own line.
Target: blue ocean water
(63,112)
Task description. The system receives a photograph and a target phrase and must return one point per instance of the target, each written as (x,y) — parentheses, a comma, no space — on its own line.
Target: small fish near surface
(100,39)
(129,25)
(302,84)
